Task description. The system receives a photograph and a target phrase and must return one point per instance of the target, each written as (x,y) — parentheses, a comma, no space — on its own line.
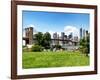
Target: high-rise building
(55,35)
(65,37)
(84,33)
(76,38)
(81,33)
(87,33)
(62,35)
(70,36)
(55,38)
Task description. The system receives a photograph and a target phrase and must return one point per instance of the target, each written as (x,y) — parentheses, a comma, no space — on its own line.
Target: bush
(84,50)
(24,46)
(37,48)
(25,49)
(58,46)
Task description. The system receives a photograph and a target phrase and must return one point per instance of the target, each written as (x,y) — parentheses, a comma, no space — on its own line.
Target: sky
(56,21)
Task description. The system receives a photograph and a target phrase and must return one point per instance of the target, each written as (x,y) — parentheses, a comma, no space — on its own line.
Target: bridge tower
(29,34)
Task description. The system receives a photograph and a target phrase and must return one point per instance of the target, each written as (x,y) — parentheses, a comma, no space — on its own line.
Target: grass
(53,59)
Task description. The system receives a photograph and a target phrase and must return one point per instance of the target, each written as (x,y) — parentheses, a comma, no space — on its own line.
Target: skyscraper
(55,35)
(65,37)
(62,35)
(76,38)
(70,36)
(87,33)
(81,33)
(84,33)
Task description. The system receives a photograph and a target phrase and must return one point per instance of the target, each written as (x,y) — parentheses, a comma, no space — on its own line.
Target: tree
(46,40)
(39,38)
(88,44)
(43,40)
(85,45)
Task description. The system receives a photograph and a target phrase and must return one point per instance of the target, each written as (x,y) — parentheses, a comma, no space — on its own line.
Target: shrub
(24,46)
(84,50)
(37,48)
(25,49)
(58,46)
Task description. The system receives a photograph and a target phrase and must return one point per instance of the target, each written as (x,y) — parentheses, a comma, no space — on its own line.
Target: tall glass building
(81,33)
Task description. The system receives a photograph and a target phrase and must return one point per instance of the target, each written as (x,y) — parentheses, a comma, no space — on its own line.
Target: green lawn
(53,59)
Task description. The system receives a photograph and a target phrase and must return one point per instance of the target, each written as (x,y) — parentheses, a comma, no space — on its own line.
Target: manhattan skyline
(56,21)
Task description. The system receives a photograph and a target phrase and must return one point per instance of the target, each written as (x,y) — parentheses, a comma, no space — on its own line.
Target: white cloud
(71,29)
(67,30)
(34,30)
(30,25)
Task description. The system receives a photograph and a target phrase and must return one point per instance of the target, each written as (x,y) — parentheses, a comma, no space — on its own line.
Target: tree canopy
(85,45)
(43,39)
(39,38)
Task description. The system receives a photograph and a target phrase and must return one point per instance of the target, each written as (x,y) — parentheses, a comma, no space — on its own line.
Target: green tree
(39,38)
(46,40)
(88,44)
(43,40)
(85,45)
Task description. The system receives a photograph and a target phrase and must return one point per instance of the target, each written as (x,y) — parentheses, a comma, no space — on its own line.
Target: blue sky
(55,21)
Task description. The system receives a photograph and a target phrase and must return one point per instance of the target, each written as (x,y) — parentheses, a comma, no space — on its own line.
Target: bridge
(53,41)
